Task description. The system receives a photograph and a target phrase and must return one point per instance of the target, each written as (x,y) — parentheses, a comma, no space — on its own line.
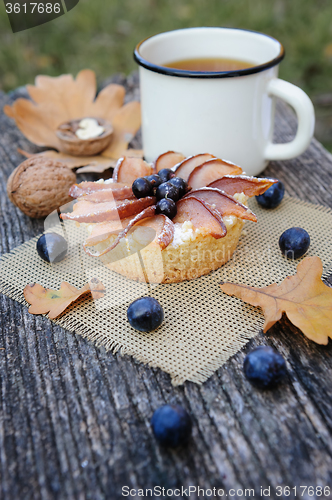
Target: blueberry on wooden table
(264,367)
(171,425)
(145,314)
(272,196)
(52,247)
(294,242)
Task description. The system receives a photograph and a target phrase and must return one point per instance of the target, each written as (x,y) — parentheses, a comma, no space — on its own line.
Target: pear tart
(127,234)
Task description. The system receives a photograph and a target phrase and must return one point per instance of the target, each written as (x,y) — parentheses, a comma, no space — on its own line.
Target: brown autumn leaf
(100,164)
(88,164)
(305,299)
(56,100)
(125,124)
(54,302)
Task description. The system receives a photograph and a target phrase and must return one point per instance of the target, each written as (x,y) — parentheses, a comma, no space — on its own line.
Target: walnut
(74,145)
(39,185)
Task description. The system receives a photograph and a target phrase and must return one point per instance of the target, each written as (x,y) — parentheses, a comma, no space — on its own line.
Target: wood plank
(74,420)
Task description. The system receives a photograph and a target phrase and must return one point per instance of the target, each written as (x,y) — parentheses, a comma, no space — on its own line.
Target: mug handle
(305,116)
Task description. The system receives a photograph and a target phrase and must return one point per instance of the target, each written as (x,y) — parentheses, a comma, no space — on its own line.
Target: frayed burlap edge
(250,319)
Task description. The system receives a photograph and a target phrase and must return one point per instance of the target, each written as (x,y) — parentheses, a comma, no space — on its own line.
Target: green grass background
(101,34)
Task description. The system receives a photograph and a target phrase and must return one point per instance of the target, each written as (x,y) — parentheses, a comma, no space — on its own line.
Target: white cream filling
(182,233)
(89,128)
(103,181)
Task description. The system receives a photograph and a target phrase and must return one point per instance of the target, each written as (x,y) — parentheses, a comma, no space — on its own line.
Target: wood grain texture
(74,420)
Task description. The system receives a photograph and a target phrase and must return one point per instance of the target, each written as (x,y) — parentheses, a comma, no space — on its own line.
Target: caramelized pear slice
(87,211)
(103,230)
(120,190)
(147,212)
(168,160)
(202,216)
(109,194)
(224,203)
(210,171)
(250,186)
(185,168)
(162,226)
(128,169)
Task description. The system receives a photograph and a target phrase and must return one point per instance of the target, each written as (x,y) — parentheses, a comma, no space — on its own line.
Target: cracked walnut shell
(73,145)
(38,186)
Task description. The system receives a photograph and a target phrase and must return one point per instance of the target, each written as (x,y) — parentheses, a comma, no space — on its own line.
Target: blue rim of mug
(163,70)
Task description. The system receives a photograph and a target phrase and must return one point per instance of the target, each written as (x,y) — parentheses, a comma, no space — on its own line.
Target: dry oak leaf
(92,164)
(89,163)
(305,299)
(54,302)
(56,100)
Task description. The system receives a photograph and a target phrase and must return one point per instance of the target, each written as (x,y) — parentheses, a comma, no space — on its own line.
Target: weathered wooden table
(74,420)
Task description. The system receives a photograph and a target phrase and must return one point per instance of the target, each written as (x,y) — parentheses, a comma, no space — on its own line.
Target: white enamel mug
(229,114)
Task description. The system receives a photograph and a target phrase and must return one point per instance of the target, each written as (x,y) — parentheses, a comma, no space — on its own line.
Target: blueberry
(171,425)
(264,367)
(166,207)
(145,314)
(272,196)
(180,184)
(141,187)
(294,242)
(154,180)
(167,190)
(165,174)
(52,247)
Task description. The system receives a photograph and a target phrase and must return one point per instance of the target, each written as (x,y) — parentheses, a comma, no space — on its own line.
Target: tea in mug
(209,64)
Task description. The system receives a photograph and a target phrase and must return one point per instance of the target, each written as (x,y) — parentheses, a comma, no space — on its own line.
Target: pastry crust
(195,255)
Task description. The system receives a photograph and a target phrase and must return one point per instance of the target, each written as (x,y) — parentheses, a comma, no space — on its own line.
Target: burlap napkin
(203,327)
